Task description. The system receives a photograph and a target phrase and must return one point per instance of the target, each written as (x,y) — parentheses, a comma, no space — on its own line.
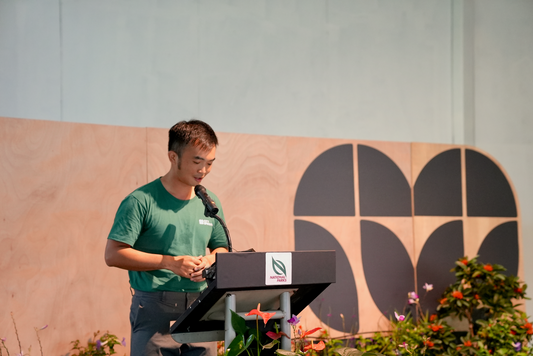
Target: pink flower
(428,287)
(399,317)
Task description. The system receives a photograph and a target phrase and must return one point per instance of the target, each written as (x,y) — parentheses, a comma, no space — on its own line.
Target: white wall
(376,70)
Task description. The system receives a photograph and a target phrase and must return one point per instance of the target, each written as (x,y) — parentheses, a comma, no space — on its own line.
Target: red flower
(518,290)
(468,343)
(436,328)
(529,331)
(275,336)
(457,294)
(513,332)
(443,300)
(265,316)
(487,268)
(433,317)
(317,347)
(476,296)
(310,332)
(464,261)
(429,343)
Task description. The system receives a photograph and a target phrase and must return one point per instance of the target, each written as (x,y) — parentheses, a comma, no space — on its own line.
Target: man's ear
(173,157)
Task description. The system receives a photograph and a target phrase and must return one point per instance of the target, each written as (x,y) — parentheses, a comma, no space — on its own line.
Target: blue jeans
(151,315)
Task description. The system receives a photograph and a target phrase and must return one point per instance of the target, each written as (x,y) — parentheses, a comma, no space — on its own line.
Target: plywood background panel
(61,183)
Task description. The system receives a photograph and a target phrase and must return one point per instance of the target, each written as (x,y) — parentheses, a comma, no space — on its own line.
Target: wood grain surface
(60,186)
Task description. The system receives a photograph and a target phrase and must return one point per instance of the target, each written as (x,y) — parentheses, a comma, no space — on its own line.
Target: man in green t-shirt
(160,235)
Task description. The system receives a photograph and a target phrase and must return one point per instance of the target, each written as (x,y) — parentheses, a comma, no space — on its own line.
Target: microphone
(210,207)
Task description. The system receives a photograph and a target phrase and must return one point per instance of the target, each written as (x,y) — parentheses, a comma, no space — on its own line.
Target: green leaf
(286,353)
(238,323)
(271,344)
(350,351)
(237,346)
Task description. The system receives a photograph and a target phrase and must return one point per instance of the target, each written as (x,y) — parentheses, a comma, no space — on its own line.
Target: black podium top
(259,277)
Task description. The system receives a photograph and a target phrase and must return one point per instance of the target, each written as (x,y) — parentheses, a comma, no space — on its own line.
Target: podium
(283,282)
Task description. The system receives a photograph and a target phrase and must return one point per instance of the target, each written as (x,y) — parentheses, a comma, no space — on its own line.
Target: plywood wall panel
(61,184)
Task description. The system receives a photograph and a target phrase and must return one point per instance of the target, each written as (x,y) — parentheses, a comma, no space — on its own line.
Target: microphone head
(199,189)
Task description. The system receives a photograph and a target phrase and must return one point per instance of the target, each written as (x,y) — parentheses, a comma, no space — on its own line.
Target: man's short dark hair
(194,132)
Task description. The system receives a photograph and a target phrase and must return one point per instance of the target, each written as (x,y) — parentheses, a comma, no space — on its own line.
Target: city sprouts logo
(278,268)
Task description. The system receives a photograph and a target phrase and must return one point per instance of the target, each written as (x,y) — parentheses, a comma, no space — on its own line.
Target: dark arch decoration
(389,272)
(443,247)
(327,186)
(488,193)
(383,189)
(501,247)
(437,191)
(338,298)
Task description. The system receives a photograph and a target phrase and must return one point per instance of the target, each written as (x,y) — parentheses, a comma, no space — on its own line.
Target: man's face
(194,164)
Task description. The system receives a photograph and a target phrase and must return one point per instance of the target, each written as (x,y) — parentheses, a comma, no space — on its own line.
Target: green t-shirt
(152,220)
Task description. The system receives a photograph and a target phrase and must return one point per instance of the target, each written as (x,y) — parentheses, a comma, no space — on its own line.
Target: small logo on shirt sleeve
(205,222)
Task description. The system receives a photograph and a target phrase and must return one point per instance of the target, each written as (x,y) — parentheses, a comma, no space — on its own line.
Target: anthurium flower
(275,336)
(310,332)
(317,347)
(428,287)
(399,317)
(294,320)
(265,316)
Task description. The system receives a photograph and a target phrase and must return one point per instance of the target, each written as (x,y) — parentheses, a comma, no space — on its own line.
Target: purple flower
(98,344)
(44,327)
(517,346)
(123,341)
(399,317)
(3,339)
(294,320)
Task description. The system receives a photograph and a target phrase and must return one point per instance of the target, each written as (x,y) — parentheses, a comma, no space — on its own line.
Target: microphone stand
(210,273)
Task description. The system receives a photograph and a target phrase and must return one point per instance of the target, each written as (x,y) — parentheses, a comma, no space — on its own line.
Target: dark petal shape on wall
(437,190)
(383,189)
(488,193)
(327,186)
(501,247)
(340,297)
(389,272)
(443,247)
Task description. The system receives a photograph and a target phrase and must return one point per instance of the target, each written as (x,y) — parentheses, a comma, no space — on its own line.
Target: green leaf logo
(279,267)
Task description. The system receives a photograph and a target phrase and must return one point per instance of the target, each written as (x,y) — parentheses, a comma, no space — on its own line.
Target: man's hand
(185,266)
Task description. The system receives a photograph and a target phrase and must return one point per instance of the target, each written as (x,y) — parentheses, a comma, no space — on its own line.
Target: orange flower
(433,317)
(476,296)
(487,268)
(436,328)
(457,294)
(464,261)
(265,316)
(468,343)
(429,343)
(443,300)
(317,347)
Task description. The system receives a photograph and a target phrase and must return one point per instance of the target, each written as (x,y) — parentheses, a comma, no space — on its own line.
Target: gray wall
(438,71)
